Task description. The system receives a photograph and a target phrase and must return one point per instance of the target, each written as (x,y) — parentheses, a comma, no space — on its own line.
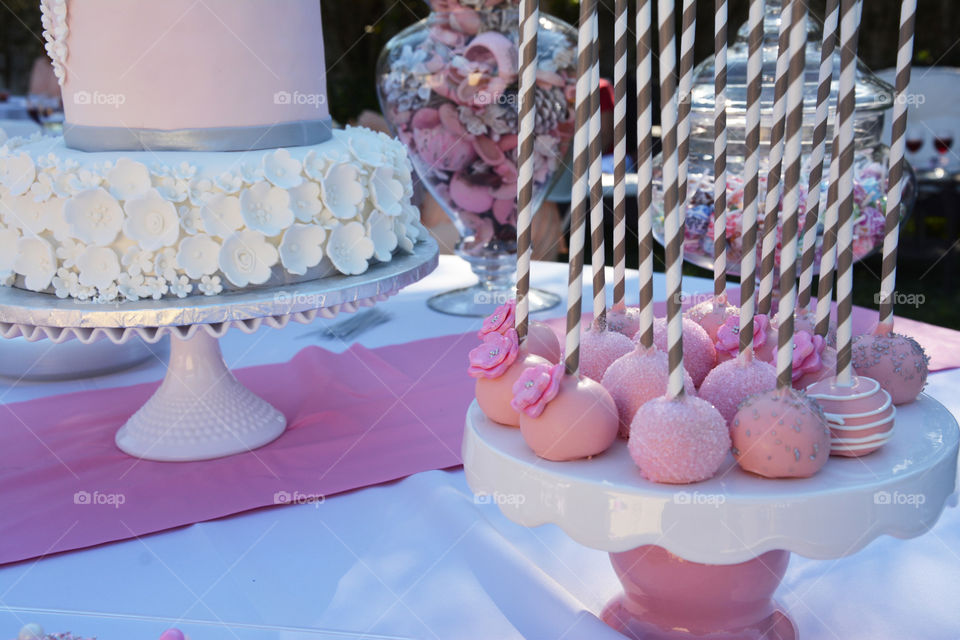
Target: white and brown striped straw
(688,22)
(720,149)
(812,208)
(595,150)
(894,179)
(849,32)
(644,29)
(751,170)
(774,166)
(828,257)
(620,154)
(529,20)
(578,195)
(791,194)
(673,240)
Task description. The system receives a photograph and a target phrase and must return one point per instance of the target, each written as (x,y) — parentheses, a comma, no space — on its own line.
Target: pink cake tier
(219,75)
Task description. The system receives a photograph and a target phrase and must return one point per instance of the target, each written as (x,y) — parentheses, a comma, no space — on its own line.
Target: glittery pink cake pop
(813,360)
(733,381)
(806,320)
(678,441)
(599,348)
(636,378)
(780,434)
(496,364)
(711,314)
(860,416)
(764,339)
(896,361)
(699,354)
(564,417)
(541,339)
(625,321)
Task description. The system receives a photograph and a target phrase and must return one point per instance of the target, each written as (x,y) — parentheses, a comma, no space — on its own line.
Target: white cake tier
(115,226)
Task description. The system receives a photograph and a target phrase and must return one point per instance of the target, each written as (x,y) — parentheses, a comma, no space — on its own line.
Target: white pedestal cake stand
(703,560)
(200,410)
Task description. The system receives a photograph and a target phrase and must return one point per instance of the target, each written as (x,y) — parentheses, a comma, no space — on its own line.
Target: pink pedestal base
(668,598)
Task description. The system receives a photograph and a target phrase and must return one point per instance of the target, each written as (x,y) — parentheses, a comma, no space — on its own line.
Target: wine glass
(942,141)
(913,139)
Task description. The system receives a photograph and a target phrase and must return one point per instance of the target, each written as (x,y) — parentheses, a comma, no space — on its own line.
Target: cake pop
(564,417)
(636,378)
(541,339)
(860,416)
(496,364)
(699,354)
(896,361)
(678,441)
(780,434)
(711,314)
(813,360)
(599,348)
(173,634)
(733,381)
(727,343)
(624,320)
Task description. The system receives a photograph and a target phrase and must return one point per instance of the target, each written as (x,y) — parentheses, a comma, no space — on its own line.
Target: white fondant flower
(35,262)
(65,283)
(129,286)
(108,293)
(138,262)
(198,256)
(404,243)
(316,164)
(26,214)
(94,216)
(98,266)
(173,189)
(341,191)
(151,221)
(84,180)
(380,230)
(128,179)
(282,170)
(181,287)
(42,189)
(210,285)
(69,251)
(62,185)
(252,173)
(201,190)
(191,219)
(349,248)
(386,191)
(222,215)
(302,247)
(165,263)
(246,258)
(184,171)
(8,249)
(17,173)
(153,287)
(229,182)
(266,209)
(305,201)
(366,148)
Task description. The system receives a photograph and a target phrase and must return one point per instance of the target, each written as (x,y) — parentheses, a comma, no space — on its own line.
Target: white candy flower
(98,266)
(229,182)
(94,216)
(210,285)
(201,190)
(165,263)
(282,170)
(35,262)
(42,189)
(17,173)
(69,251)
(366,148)
(8,250)
(305,201)
(108,293)
(349,248)
(129,286)
(266,209)
(246,258)
(184,171)
(128,179)
(138,262)
(173,189)
(302,247)
(404,243)
(151,221)
(198,256)
(181,287)
(26,214)
(62,185)
(65,283)
(341,191)
(82,293)
(222,215)
(154,288)
(386,191)
(84,180)
(316,164)
(380,230)
(191,219)
(252,173)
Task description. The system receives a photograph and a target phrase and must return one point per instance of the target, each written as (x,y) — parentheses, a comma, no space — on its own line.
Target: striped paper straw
(812,215)
(775,165)
(687,38)
(849,32)
(894,180)
(578,194)
(673,239)
(530,18)
(828,257)
(791,195)
(720,148)
(595,150)
(751,170)
(645,168)
(620,154)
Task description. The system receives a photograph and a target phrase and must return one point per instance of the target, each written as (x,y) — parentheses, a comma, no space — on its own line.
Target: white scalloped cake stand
(703,560)
(200,410)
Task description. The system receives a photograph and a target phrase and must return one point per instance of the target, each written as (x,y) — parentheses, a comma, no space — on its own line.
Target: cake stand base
(668,598)
(200,411)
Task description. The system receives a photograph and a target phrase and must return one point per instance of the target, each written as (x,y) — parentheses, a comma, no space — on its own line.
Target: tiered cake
(198,156)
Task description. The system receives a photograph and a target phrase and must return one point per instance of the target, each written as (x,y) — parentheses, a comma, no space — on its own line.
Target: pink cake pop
(896,361)
(813,360)
(599,348)
(625,320)
(636,378)
(173,634)
(699,354)
(711,314)
(678,441)
(496,364)
(733,381)
(764,339)
(780,434)
(541,339)
(563,417)
(860,416)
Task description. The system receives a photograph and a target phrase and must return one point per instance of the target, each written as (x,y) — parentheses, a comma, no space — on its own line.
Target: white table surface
(419,558)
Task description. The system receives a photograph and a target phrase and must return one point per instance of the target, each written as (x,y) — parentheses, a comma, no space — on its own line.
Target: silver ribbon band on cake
(283,134)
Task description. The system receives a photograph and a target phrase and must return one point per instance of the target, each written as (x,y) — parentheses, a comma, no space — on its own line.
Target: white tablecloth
(419,558)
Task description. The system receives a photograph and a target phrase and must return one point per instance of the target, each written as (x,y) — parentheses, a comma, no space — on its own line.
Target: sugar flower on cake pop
(35,262)
(246,258)
(94,216)
(302,247)
(807,351)
(222,215)
(535,388)
(764,339)
(98,266)
(305,201)
(712,314)
(282,170)
(266,209)
(501,320)
(349,248)
(151,221)
(495,355)
(128,179)
(341,191)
